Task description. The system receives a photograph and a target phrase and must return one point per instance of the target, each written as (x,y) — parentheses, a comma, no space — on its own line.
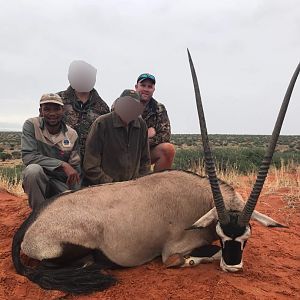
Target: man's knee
(166,150)
(169,150)
(163,155)
(33,174)
(33,170)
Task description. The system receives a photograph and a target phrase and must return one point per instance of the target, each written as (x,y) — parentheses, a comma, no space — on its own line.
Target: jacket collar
(117,122)
(150,108)
(72,95)
(64,128)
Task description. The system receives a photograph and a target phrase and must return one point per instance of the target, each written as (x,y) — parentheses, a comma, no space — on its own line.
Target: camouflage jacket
(155,115)
(81,116)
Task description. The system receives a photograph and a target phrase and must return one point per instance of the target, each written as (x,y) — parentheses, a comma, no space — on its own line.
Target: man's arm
(74,159)
(162,128)
(93,154)
(30,153)
(145,161)
(74,162)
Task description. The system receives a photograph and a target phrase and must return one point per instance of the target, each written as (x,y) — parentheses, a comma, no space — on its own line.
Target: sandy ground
(271,263)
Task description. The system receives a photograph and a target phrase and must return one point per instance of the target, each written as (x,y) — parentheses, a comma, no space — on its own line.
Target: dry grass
(10,163)
(231,175)
(284,180)
(283,176)
(15,189)
(5,183)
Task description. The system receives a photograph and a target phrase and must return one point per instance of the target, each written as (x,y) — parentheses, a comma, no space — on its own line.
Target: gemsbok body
(173,214)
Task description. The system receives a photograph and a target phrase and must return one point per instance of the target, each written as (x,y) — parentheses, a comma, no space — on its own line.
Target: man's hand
(72,174)
(151,132)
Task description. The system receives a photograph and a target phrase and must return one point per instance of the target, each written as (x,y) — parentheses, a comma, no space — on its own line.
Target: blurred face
(146,89)
(128,109)
(52,113)
(82,76)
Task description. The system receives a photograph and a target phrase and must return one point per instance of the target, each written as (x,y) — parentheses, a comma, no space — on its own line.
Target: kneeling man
(117,146)
(50,153)
(159,131)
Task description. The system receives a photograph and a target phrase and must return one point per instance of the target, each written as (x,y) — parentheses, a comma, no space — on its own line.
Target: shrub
(242,159)
(16,154)
(4,156)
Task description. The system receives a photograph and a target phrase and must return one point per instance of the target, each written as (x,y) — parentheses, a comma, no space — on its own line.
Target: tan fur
(131,222)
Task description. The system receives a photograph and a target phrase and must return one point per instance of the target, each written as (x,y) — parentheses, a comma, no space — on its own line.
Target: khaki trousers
(39,187)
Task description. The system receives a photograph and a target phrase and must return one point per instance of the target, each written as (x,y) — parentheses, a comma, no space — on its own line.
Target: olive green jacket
(38,146)
(114,152)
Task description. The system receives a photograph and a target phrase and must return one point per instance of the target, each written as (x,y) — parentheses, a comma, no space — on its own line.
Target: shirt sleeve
(92,171)
(30,153)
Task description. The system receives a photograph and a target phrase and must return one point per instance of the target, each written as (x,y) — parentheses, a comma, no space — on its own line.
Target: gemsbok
(175,214)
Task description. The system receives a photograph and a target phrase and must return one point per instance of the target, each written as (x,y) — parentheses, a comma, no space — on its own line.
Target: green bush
(242,159)
(4,156)
(16,154)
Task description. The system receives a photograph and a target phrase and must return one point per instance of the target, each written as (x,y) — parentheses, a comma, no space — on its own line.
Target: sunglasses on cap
(145,76)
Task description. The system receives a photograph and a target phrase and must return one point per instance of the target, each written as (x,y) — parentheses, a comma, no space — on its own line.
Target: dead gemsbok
(135,221)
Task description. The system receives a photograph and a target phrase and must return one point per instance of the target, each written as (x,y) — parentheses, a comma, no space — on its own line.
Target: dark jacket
(114,152)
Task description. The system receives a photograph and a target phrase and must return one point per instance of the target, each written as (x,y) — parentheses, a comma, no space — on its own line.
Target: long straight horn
(209,163)
(263,171)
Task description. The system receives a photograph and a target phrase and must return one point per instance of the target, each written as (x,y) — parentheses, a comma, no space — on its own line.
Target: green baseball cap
(145,76)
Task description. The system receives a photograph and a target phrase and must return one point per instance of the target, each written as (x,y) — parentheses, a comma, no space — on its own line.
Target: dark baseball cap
(131,93)
(145,76)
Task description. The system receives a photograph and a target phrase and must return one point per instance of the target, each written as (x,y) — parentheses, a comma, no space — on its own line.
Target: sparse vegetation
(10,179)
(243,160)
(285,142)
(235,156)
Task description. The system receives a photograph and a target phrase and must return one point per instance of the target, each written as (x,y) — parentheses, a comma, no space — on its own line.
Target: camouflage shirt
(80,116)
(155,115)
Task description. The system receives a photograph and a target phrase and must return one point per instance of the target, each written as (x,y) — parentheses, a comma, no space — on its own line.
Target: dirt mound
(271,264)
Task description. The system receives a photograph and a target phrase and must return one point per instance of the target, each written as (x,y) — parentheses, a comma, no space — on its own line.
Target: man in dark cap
(117,146)
(162,152)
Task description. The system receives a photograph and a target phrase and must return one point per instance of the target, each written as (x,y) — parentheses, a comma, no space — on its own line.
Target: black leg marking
(205,251)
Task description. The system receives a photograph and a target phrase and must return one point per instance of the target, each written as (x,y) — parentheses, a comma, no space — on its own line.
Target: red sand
(271,264)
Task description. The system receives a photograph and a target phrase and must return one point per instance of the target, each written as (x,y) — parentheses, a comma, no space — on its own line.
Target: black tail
(72,279)
(75,280)
(16,245)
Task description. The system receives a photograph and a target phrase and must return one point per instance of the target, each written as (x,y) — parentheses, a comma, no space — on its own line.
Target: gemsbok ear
(265,220)
(205,220)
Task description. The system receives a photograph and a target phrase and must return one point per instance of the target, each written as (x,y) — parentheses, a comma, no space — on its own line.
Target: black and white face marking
(233,240)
